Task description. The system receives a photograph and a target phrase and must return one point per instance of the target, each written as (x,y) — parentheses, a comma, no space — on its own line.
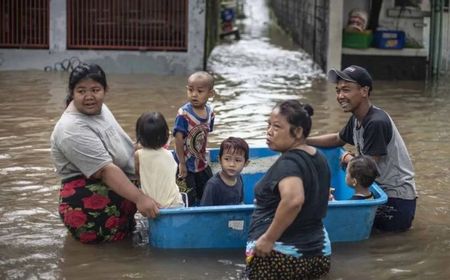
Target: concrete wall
(155,62)
(335,25)
(307,22)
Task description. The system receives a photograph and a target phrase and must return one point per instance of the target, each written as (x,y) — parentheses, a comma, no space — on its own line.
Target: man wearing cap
(373,133)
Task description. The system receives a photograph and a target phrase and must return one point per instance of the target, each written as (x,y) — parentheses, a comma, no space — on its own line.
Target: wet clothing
(377,135)
(218,193)
(157,171)
(93,213)
(396,215)
(195,131)
(80,146)
(306,237)
(280,266)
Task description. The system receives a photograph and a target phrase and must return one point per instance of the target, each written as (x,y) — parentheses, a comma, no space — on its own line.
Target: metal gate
(24,24)
(127,24)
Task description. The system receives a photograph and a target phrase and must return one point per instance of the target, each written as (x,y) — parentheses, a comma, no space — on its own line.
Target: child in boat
(154,164)
(226,187)
(193,123)
(361,173)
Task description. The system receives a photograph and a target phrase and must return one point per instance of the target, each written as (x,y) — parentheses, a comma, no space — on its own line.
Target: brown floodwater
(252,75)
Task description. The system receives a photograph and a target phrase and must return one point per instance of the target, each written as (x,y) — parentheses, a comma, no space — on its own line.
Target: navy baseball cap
(353,73)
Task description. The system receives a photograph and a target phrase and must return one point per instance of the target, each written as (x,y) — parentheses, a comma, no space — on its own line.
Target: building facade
(123,36)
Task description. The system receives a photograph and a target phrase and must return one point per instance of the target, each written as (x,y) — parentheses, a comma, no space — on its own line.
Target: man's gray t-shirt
(378,136)
(83,144)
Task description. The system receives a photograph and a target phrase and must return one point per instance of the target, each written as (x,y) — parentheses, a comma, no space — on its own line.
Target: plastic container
(357,40)
(389,39)
(227,226)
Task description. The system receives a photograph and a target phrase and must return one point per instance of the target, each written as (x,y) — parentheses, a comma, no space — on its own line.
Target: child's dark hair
(152,130)
(82,72)
(297,115)
(363,169)
(234,145)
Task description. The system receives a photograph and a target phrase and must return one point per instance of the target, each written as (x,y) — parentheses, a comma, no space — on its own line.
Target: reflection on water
(253,74)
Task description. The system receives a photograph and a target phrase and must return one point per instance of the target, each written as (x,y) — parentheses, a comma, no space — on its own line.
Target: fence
(127,24)
(24,23)
(307,22)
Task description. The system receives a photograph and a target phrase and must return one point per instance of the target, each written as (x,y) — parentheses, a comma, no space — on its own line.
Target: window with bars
(24,24)
(127,24)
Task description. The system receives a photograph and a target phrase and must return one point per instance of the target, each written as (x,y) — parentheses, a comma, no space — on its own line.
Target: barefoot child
(154,164)
(226,187)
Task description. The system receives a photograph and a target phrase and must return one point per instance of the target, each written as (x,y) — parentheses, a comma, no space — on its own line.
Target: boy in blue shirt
(194,121)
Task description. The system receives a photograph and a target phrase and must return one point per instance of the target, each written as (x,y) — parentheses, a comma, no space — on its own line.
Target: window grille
(127,24)
(24,24)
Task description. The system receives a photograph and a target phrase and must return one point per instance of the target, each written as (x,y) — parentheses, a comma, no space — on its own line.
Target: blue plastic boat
(227,226)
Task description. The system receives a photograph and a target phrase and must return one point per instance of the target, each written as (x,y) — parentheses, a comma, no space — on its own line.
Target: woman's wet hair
(152,130)
(234,145)
(82,72)
(297,114)
(363,169)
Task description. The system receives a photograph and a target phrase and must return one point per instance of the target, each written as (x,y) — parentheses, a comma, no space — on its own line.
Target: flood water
(253,74)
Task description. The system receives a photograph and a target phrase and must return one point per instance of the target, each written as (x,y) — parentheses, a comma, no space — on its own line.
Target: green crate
(357,40)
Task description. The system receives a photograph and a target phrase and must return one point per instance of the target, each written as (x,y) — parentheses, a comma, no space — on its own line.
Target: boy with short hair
(226,187)
(361,173)
(194,121)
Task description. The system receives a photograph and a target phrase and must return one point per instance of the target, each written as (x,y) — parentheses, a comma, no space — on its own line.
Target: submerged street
(253,74)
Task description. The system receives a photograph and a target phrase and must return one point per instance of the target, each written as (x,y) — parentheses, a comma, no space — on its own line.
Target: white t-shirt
(82,144)
(157,171)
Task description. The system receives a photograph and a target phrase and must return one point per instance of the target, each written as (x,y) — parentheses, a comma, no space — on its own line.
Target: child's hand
(182,170)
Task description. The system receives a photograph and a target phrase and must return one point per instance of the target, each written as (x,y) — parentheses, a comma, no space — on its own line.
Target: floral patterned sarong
(94,213)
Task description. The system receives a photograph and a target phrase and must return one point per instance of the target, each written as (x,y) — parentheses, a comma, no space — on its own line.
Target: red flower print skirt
(93,213)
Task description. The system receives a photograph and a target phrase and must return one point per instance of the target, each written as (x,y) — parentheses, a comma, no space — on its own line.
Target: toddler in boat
(361,173)
(193,123)
(226,186)
(155,165)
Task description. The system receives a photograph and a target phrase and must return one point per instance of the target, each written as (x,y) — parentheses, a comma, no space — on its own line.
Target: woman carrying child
(154,164)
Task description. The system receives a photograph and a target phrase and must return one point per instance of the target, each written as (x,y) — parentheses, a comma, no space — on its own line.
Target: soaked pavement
(252,75)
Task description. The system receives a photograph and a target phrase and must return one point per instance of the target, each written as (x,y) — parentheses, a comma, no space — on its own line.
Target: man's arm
(327,140)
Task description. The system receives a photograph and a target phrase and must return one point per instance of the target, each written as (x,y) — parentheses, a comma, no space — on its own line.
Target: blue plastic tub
(227,226)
